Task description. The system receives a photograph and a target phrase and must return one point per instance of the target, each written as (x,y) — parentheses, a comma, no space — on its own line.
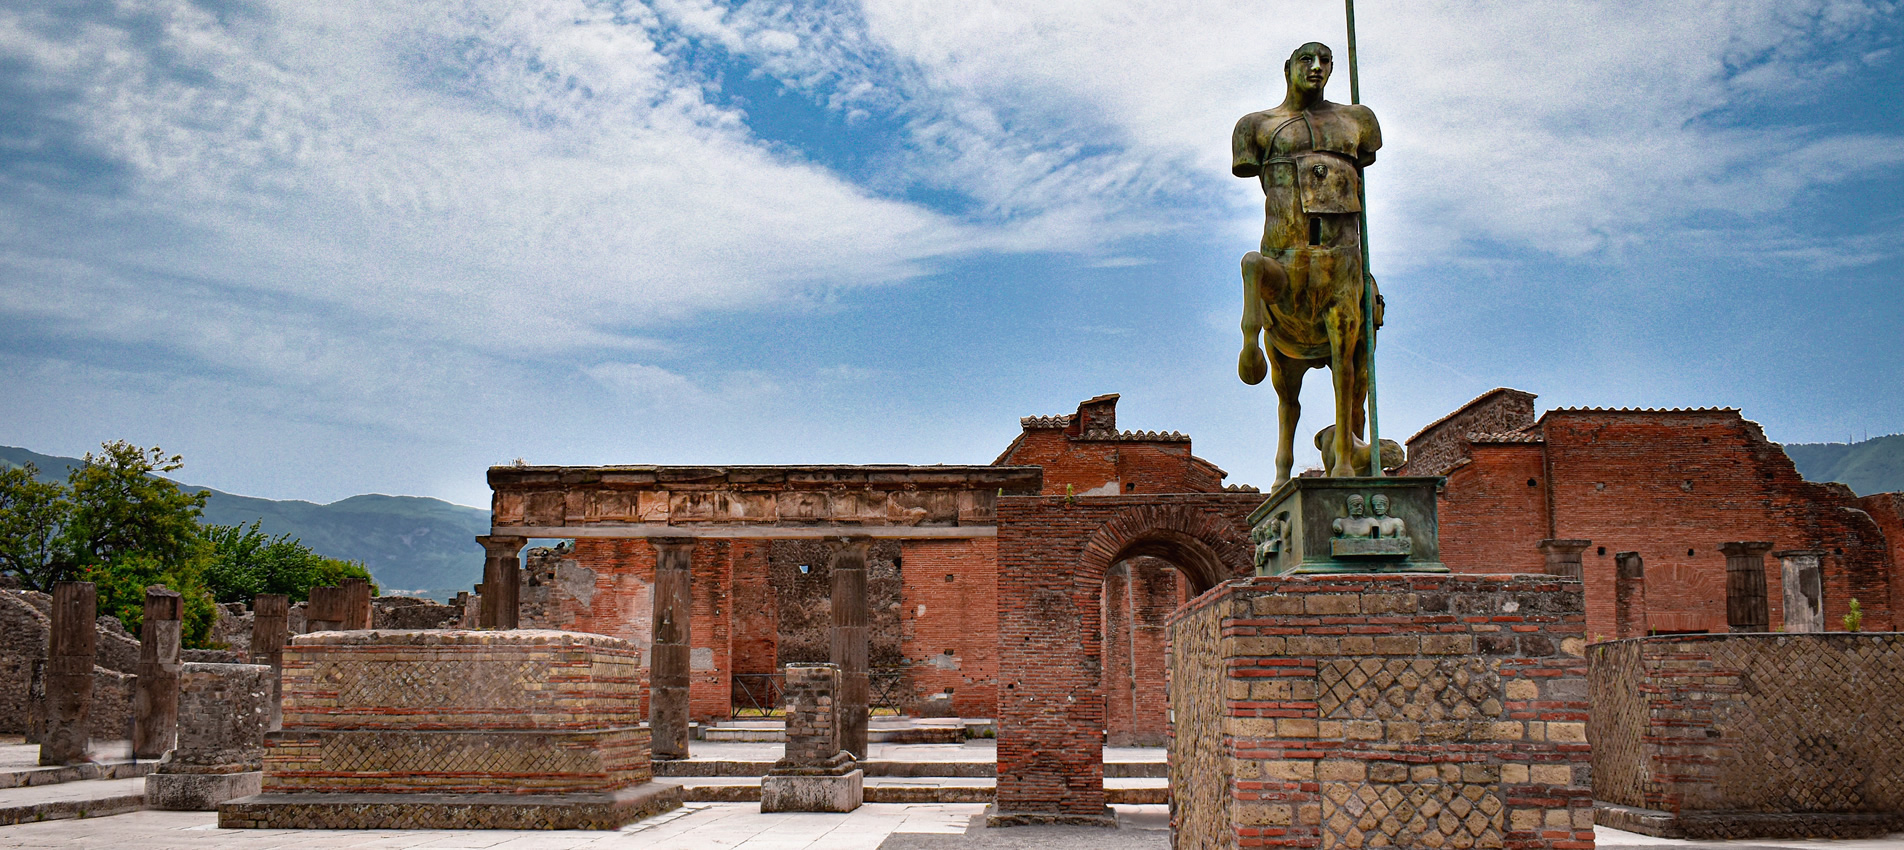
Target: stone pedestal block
(1348,525)
(199,792)
(812,793)
(519,729)
(1381,710)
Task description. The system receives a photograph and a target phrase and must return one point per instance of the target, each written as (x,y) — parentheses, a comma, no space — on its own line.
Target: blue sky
(331,248)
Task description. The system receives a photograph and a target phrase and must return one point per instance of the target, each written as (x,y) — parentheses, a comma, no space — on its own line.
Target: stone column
(356,604)
(270,627)
(1803,576)
(1629,595)
(1563,557)
(155,694)
(816,775)
(325,610)
(1746,605)
(502,581)
(848,564)
(668,669)
(71,646)
(222,718)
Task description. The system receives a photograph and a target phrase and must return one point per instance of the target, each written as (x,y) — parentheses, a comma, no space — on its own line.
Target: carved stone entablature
(739,501)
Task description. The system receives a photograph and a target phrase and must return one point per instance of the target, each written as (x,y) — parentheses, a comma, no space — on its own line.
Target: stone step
(746,789)
(60,801)
(31,777)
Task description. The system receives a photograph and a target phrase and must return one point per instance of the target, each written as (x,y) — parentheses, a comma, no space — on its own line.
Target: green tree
(31,514)
(244,562)
(120,507)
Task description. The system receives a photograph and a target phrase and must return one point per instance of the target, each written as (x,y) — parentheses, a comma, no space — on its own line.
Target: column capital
(501,545)
(1746,548)
(1785,554)
(1562,546)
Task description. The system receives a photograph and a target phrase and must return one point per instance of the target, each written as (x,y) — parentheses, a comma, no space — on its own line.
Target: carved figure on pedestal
(1303,291)
(1385,525)
(1357,524)
(1270,537)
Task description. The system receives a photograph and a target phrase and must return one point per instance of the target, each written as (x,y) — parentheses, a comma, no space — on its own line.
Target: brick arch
(1206,546)
(1053,556)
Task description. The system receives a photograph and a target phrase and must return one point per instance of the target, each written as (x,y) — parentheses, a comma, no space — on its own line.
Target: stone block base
(813,793)
(1721,825)
(611,810)
(199,792)
(994,818)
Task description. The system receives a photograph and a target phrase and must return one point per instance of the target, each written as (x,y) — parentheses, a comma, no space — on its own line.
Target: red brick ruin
(1036,590)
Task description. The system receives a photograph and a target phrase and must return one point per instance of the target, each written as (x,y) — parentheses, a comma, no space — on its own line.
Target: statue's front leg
(1286,376)
(1263,280)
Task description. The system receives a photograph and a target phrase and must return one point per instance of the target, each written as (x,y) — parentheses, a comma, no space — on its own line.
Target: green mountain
(410,544)
(1873,466)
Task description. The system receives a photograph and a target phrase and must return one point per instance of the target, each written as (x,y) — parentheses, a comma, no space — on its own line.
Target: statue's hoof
(1252,366)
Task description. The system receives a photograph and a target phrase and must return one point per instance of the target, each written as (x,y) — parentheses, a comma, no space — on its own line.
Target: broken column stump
(324,611)
(156,692)
(442,729)
(1747,608)
(71,646)
(223,710)
(269,630)
(1803,579)
(356,603)
(816,775)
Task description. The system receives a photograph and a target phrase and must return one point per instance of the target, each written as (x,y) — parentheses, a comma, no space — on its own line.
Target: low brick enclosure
(457,730)
(1406,710)
(1054,554)
(1750,735)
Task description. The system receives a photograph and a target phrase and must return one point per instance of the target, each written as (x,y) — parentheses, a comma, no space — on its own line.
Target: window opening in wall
(949,652)
(1130,487)
(1315,230)
(1532,483)
(1689,553)
(1603,550)
(895,563)
(949,578)
(805,568)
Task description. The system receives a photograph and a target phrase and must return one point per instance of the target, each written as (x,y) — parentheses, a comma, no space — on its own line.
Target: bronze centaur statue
(1304,289)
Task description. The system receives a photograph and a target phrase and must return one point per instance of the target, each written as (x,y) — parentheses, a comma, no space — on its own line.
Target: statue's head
(1308,68)
(1379,504)
(1355,504)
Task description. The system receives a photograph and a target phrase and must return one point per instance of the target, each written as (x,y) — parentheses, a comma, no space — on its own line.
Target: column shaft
(155,694)
(1747,609)
(502,581)
(1563,557)
(69,673)
(668,669)
(356,604)
(848,565)
(1803,579)
(270,627)
(1629,595)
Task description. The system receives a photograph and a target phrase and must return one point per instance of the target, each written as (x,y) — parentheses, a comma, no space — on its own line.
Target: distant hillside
(1873,466)
(409,543)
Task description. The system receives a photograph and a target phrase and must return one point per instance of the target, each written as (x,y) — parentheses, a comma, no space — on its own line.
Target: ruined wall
(1751,736)
(24,625)
(1053,554)
(1494,509)
(1437,448)
(949,622)
(1385,710)
(1887,510)
(1672,486)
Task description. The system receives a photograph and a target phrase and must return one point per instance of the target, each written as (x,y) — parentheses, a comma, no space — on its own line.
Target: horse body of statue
(1303,292)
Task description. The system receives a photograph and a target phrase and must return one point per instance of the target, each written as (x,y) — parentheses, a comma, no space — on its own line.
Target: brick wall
(1382,710)
(949,599)
(1760,735)
(710,689)
(756,638)
(1673,486)
(1494,509)
(1887,510)
(1053,554)
(1437,448)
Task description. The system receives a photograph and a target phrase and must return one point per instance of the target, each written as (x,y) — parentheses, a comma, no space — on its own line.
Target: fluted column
(155,694)
(848,565)
(502,581)
(668,669)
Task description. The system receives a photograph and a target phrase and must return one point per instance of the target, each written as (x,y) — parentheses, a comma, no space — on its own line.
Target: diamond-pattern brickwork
(1382,711)
(1761,731)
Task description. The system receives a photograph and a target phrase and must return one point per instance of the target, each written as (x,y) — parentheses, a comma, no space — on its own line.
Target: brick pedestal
(1371,710)
(223,710)
(816,775)
(457,730)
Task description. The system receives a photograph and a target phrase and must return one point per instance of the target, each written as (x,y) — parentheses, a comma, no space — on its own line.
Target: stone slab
(199,792)
(1720,825)
(611,810)
(813,793)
